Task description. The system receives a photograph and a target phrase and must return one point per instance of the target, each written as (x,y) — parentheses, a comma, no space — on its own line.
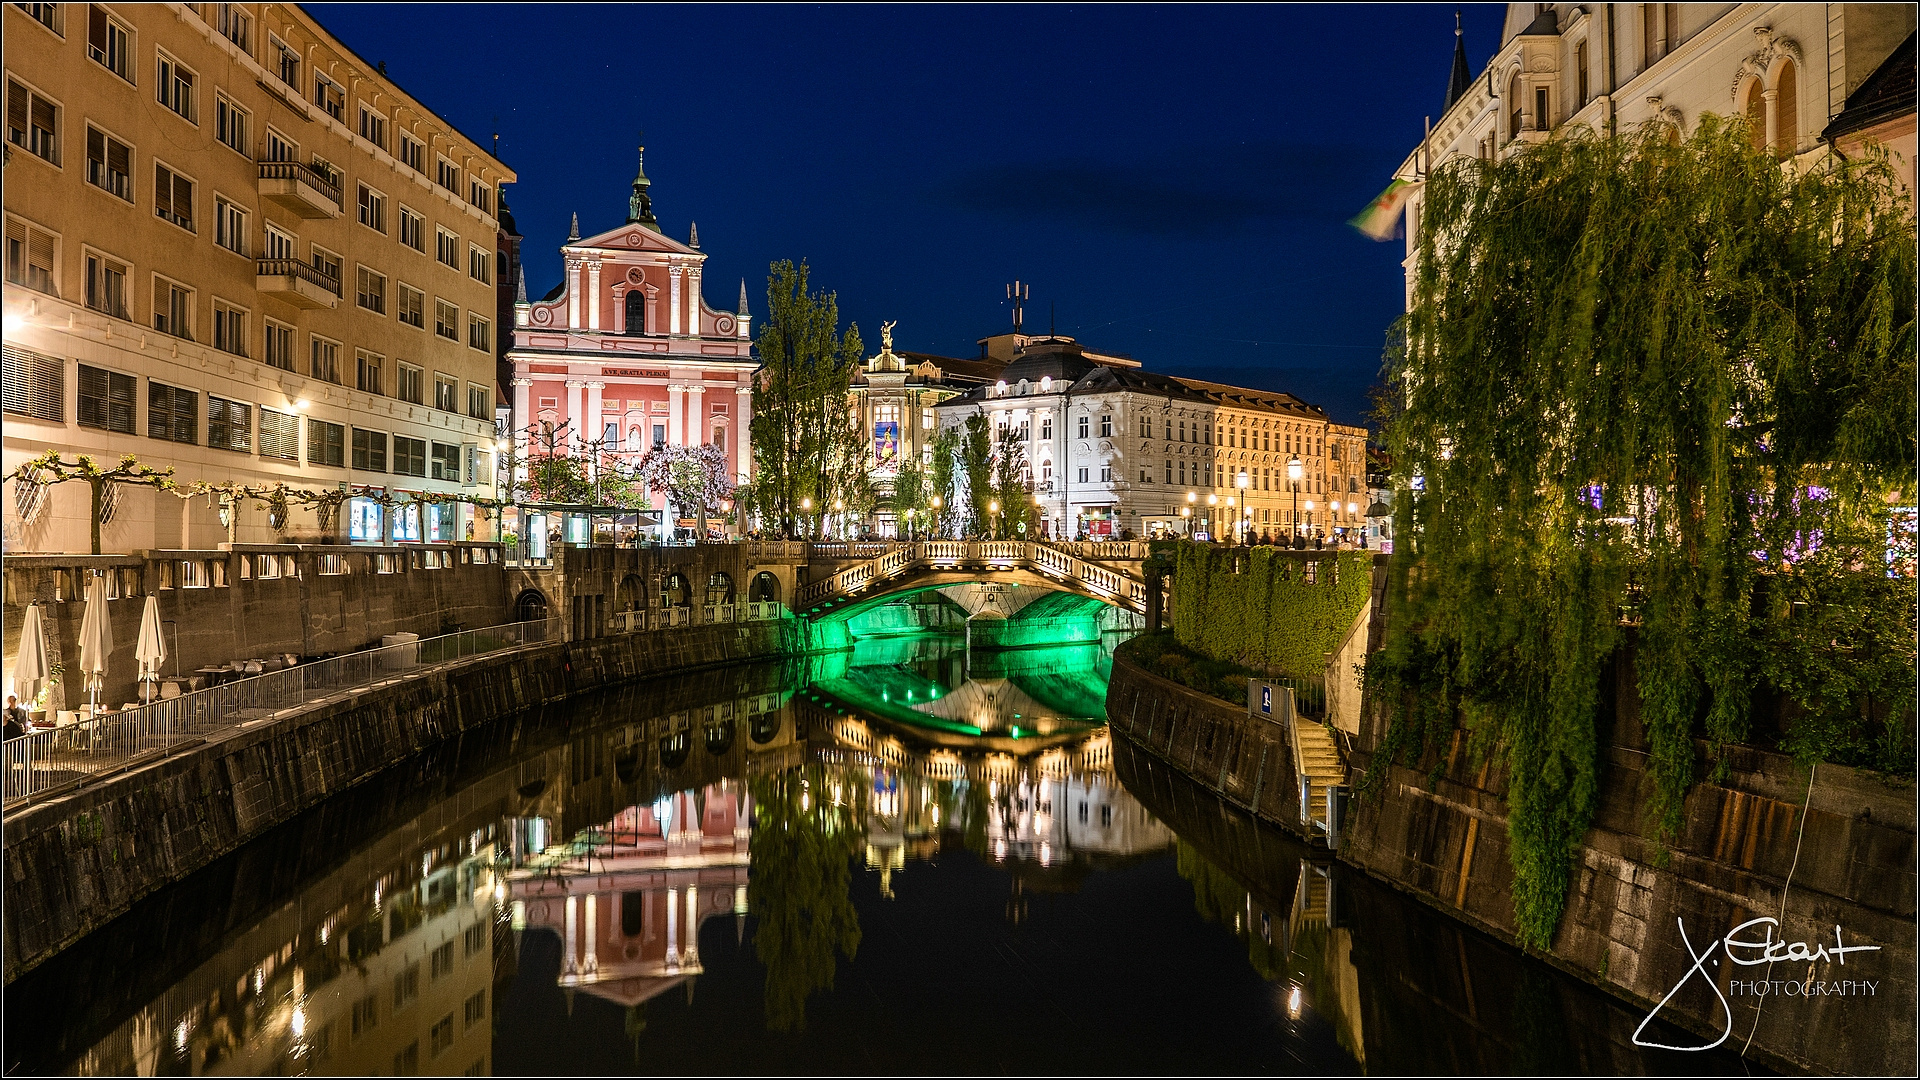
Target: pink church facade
(628,351)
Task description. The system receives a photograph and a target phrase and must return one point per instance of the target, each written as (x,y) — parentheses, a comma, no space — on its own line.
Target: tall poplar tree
(807,437)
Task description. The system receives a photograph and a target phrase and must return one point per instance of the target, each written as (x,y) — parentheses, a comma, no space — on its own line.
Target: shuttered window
(229,424)
(172,413)
(326,443)
(173,197)
(106,399)
(108,43)
(33,385)
(279,435)
(33,122)
(30,256)
(109,164)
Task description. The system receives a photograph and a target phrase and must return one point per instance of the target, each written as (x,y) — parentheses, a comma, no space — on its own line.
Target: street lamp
(1187,513)
(1241,483)
(993,511)
(1293,482)
(933,516)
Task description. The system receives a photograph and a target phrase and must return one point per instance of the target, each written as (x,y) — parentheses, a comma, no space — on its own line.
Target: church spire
(743,297)
(640,203)
(1461,78)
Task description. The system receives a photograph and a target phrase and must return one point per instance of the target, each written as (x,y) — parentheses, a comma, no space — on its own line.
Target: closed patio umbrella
(96,640)
(151,649)
(30,669)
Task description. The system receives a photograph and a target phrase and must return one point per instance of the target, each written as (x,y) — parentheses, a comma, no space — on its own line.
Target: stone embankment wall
(251,602)
(1837,854)
(74,863)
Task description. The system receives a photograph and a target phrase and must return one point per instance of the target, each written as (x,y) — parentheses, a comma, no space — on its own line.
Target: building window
(411,153)
(446,461)
(33,123)
(479,402)
(229,329)
(106,399)
(1046,429)
(328,264)
(1786,110)
(479,333)
(229,424)
(659,436)
(279,346)
(229,226)
(408,383)
(373,209)
(175,88)
(1106,474)
(286,62)
(442,1035)
(279,435)
(407,1062)
(1081,476)
(330,96)
(325,360)
(445,390)
(324,170)
(367,371)
(236,26)
(448,174)
(109,164)
(1083,434)
(47,15)
(173,197)
(1580,71)
(410,305)
(370,290)
(172,308)
(479,264)
(369,450)
(446,320)
(480,195)
(326,443)
(476,1006)
(33,385)
(1542,116)
(409,456)
(109,43)
(1516,115)
(413,229)
(373,127)
(1169,471)
(1106,426)
(231,123)
(172,413)
(446,248)
(30,253)
(107,285)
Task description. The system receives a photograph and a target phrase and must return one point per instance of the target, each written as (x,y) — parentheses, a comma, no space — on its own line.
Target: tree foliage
(1012,487)
(694,479)
(1654,381)
(976,468)
(808,443)
(1266,609)
(804,838)
(940,479)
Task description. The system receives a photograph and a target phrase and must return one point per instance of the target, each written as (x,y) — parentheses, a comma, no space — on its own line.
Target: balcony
(300,189)
(297,283)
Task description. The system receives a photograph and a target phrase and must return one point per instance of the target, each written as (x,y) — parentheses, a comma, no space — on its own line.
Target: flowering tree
(693,477)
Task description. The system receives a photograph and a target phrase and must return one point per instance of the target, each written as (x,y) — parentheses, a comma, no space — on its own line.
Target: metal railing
(48,760)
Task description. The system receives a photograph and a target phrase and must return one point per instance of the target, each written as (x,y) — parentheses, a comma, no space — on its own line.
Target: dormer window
(1046,384)
(1000,388)
(1023,388)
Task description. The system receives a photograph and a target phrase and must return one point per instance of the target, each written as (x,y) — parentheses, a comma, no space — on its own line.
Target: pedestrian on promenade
(16,725)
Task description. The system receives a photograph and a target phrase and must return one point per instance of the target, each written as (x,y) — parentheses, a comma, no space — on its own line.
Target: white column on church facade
(696,415)
(742,425)
(693,301)
(673,299)
(573,293)
(675,411)
(522,404)
(619,309)
(593,294)
(596,422)
(576,410)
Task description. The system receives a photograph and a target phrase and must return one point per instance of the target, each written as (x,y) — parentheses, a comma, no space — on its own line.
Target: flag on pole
(1381,219)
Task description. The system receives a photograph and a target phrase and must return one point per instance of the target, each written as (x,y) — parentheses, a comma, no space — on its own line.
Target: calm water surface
(900,859)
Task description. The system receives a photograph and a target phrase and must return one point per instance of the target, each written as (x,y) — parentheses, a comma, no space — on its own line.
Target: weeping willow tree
(1653,396)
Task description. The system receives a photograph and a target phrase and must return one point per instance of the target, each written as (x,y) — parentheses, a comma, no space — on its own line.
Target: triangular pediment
(631,238)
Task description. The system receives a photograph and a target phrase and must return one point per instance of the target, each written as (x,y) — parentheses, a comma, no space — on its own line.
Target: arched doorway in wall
(764,588)
(632,593)
(719,588)
(674,591)
(530,606)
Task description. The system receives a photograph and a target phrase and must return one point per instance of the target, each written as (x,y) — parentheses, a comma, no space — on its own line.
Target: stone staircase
(1320,765)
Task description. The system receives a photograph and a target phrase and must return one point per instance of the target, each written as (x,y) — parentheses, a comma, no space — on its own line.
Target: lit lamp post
(933,517)
(1293,482)
(806,512)
(1246,512)
(993,511)
(1212,501)
(1187,512)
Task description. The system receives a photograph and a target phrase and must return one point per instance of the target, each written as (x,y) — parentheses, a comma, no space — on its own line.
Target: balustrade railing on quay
(109,742)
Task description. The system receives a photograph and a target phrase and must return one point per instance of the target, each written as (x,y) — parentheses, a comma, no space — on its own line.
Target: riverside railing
(48,760)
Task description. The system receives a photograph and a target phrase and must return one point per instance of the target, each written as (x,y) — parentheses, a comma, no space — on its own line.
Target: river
(904,859)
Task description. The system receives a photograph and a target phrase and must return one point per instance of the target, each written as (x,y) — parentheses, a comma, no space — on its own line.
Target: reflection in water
(926,817)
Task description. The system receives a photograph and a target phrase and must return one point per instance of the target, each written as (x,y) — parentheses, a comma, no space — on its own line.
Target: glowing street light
(1293,482)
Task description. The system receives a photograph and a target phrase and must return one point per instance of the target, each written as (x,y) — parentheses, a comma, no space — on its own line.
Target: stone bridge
(1108,574)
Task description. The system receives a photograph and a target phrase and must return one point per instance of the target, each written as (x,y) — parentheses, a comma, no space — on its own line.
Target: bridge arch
(530,606)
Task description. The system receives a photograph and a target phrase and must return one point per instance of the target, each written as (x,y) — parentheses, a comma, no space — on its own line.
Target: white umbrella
(151,649)
(96,640)
(30,670)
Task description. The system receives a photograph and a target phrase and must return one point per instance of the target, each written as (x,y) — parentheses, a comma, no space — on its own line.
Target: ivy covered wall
(1267,609)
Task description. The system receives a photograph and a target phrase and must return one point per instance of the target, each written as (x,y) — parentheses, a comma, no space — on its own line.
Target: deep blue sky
(1175,179)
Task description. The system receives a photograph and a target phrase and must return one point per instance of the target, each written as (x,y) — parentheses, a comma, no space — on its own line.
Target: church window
(636,312)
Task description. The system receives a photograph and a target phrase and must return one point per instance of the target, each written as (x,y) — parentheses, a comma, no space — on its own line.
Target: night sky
(1174,181)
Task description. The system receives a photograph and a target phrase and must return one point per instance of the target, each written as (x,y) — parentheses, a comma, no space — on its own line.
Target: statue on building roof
(640,203)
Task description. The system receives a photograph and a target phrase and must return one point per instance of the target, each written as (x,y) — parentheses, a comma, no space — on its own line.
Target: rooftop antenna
(1018,293)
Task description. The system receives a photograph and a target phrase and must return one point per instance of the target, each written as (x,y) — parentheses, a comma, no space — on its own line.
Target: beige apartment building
(236,248)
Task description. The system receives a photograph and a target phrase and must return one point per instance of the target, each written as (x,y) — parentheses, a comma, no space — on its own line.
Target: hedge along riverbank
(1270,610)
